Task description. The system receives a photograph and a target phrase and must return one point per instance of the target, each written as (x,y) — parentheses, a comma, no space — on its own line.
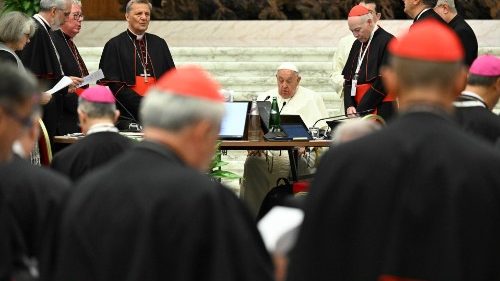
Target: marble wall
(319,33)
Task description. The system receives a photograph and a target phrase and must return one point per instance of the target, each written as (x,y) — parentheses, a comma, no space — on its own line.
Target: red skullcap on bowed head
(191,81)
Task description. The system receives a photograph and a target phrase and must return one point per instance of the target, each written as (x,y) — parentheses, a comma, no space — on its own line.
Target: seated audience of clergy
(154,213)
(447,10)
(143,57)
(72,64)
(474,105)
(418,199)
(102,142)
(263,168)
(34,195)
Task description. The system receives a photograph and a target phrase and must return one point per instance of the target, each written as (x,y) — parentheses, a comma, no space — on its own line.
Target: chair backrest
(375,117)
(44,145)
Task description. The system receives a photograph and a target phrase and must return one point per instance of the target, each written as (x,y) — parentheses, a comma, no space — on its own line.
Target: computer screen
(234,121)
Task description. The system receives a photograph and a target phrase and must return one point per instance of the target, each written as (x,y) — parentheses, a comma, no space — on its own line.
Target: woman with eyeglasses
(16,29)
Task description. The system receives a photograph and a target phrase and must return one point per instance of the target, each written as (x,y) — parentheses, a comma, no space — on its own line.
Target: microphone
(284,103)
(342,117)
(268,97)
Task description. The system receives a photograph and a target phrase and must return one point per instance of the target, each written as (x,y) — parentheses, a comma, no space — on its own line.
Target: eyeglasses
(77,16)
(26,122)
(66,14)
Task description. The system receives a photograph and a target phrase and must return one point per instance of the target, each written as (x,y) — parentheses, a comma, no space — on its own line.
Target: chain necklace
(144,62)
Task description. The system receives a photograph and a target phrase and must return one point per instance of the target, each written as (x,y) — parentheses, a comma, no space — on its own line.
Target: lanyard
(360,61)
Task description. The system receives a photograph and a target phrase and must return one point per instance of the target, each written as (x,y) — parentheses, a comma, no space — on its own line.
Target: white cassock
(261,172)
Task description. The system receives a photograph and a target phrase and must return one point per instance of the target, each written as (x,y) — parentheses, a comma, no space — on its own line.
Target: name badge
(353,87)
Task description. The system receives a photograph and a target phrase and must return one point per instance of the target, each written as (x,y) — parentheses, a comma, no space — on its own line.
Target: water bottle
(274,118)
(254,129)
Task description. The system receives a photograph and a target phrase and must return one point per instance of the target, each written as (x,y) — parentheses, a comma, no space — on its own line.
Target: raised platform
(243,55)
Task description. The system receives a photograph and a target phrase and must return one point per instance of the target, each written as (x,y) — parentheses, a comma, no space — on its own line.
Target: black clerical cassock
(131,64)
(370,91)
(73,65)
(42,59)
(149,216)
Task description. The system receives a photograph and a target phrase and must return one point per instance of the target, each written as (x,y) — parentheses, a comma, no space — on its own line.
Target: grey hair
(13,26)
(96,109)
(450,3)
(354,129)
(129,4)
(172,112)
(77,2)
(16,87)
(46,5)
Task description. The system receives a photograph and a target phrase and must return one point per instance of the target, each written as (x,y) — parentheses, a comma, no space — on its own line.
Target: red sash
(79,91)
(362,89)
(141,86)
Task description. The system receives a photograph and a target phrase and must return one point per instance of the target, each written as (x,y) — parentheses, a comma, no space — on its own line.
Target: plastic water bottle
(254,128)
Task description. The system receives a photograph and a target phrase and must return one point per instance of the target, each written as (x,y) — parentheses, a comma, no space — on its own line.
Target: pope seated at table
(263,168)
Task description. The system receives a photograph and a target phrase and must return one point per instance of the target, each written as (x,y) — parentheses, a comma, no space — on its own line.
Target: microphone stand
(342,117)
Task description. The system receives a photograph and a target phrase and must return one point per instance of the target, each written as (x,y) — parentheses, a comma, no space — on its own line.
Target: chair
(44,145)
(376,118)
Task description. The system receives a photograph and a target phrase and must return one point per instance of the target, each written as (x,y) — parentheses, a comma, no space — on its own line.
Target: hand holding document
(63,83)
(279,228)
(92,78)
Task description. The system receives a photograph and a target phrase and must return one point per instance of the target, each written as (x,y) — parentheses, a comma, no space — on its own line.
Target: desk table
(289,146)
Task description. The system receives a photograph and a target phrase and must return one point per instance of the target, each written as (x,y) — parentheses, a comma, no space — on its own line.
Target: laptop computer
(294,127)
(233,123)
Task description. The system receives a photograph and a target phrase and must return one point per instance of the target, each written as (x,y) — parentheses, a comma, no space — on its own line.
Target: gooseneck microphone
(284,103)
(268,97)
(342,117)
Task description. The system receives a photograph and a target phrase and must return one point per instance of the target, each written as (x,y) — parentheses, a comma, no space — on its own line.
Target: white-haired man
(133,60)
(262,169)
(152,214)
(342,52)
(41,57)
(72,63)
(363,87)
(447,10)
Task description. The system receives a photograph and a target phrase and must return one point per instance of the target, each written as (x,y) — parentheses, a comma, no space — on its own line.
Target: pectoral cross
(145,75)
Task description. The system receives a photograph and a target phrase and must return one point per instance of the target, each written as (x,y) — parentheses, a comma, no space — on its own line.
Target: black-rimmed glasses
(77,16)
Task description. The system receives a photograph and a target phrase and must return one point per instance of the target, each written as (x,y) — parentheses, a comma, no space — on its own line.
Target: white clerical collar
(137,37)
(472,94)
(423,11)
(474,100)
(102,127)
